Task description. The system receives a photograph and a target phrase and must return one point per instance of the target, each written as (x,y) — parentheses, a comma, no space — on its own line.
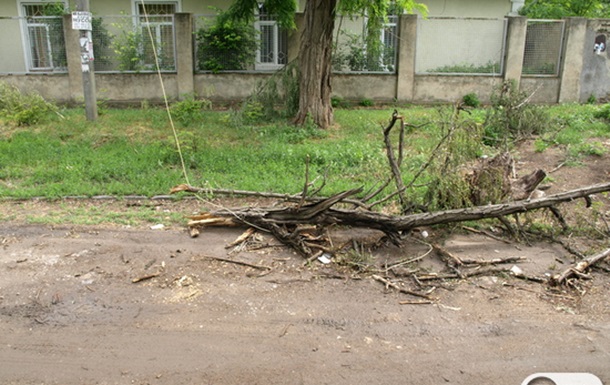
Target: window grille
(351,53)
(389,39)
(272,49)
(45,35)
(156,23)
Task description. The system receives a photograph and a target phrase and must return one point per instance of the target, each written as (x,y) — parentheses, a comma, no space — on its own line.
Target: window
(389,41)
(272,51)
(45,36)
(156,23)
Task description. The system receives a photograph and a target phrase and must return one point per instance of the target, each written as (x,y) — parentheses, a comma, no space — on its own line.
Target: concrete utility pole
(81,20)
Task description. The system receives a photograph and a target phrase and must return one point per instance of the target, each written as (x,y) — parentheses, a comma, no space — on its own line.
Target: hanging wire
(169,114)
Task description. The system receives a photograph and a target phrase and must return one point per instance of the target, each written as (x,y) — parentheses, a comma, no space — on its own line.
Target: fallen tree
(301,222)
(283,221)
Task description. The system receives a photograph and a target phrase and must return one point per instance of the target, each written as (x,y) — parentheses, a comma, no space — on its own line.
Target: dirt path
(70,314)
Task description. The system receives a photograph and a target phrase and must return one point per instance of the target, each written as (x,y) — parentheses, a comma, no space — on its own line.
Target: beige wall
(455,41)
(8,8)
(12,58)
(481,8)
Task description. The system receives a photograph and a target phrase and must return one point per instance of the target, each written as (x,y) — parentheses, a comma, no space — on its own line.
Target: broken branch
(260,267)
(394,286)
(579,268)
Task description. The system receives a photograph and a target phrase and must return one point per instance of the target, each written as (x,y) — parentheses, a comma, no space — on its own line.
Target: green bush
(366,102)
(189,110)
(226,45)
(128,48)
(23,109)
(603,113)
(357,54)
(471,100)
(512,117)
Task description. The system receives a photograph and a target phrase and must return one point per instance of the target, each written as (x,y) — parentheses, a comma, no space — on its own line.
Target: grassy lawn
(134,152)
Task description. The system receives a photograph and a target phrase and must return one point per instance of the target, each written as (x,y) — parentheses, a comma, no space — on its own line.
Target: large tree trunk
(315,63)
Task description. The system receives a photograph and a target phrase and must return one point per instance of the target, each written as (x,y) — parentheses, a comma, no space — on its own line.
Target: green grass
(133,152)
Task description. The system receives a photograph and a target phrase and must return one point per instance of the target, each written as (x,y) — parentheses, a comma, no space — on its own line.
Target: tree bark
(315,63)
(322,213)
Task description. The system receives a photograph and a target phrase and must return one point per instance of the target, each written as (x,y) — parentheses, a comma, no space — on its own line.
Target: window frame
(156,26)
(263,19)
(30,44)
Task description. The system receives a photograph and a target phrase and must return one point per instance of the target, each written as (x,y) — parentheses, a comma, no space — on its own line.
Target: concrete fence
(582,71)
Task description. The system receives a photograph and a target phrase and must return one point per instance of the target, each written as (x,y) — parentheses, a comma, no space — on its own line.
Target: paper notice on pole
(81,20)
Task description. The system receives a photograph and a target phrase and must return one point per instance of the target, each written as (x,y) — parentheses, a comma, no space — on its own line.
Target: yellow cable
(169,114)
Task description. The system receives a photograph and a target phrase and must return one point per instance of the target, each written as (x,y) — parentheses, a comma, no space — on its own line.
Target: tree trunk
(322,213)
(315,63)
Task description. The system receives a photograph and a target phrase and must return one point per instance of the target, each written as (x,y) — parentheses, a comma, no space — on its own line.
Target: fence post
(75,74)
(405,72)
(185,55)
(515,48)
(573,59)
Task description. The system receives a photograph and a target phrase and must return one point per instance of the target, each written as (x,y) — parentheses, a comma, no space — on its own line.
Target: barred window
(156,22)
(272,50)
(44,27)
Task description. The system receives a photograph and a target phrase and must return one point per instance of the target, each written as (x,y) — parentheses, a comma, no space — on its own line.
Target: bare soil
(111,304)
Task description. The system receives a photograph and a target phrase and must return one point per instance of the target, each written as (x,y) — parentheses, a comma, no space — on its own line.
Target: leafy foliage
(227,44)
(354,55)
(459,142)
(275,97)
(127,46)
(367,51)
(468,68)
(55,26)
(23,109)
(512,117)
(557,9)
(603,113)
(283,11)
(190,110)
(471,100)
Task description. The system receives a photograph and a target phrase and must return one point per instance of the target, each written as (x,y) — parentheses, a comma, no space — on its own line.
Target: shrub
(189,110)
(128,47)
(471,100)
(226,45)
(512,117)
(603,113)
(459,144)
(280,90)
(366,102)
(23,109)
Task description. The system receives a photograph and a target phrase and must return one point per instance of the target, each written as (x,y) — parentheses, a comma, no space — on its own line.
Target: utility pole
(81,20)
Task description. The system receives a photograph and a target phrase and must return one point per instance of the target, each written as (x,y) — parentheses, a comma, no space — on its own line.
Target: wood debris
(302,221)
(579,269)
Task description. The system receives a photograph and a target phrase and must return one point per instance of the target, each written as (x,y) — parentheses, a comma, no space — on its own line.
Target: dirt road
(70,313)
